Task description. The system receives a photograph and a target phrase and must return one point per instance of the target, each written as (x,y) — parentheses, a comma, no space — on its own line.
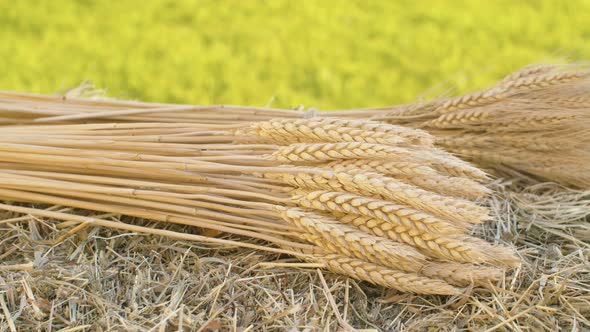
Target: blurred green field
(326,54)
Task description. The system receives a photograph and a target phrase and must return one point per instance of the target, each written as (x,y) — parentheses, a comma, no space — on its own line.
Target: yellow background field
(326,54)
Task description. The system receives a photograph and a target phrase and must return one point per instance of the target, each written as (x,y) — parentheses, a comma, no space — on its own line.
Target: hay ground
(104,280)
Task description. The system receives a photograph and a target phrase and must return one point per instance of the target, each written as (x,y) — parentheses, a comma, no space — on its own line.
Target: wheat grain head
(328,233)
(386,277)
(330,201)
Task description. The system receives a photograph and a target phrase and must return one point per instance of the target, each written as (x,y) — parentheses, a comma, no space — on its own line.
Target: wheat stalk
(322,198)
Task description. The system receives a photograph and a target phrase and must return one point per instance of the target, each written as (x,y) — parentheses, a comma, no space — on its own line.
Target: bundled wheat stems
(372,201)
(535,122)
(365,198)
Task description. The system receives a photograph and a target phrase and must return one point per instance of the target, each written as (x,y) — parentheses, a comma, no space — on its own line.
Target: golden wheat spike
(387,277)
(330,201)
(352,242)
(377,186)
(325,130)
(415,173)
(460,248)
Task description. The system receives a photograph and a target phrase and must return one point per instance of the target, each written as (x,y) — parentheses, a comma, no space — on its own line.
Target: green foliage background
(327,54)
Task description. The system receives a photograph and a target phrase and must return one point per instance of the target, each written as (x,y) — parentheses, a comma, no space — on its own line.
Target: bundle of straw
(373,201)
(534,122)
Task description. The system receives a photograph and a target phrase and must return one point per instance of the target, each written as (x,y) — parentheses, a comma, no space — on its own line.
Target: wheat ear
(414,173)
(544,80)
(325,130)
(449,164)
(349,241)
(330,201)
(448,208)
(322,152)
(409,135)
(460,119)
(460,248)
(461,274)
(383,276)
(377,186)
(505,89)
(527,71)
(446,163)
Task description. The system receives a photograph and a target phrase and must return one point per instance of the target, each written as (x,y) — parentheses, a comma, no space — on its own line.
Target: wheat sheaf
(373,201)
(533,123)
